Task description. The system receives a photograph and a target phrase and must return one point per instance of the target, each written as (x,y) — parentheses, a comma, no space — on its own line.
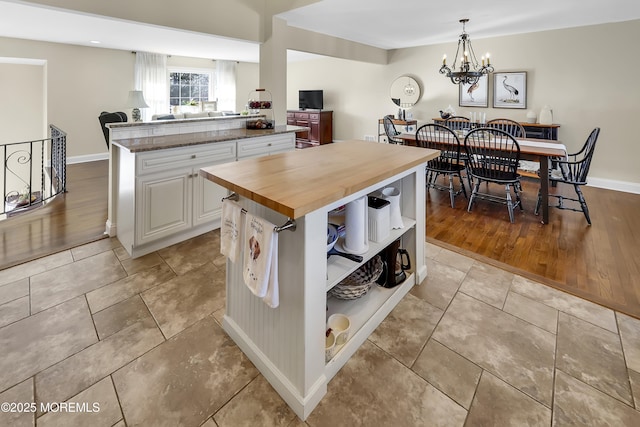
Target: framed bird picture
(510,90)
(475,95)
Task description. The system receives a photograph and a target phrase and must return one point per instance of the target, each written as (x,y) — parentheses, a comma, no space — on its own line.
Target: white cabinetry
(287,343)
(162,199)
(264,145)
(167,201)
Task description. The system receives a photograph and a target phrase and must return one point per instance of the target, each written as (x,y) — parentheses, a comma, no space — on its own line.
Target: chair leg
(464,190)
(517,189)
(538,202)
(473,195)
(509,204)
(583,203)
(452,193)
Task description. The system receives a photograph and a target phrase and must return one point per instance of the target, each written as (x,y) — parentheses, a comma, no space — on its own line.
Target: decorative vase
(531,116)
(546,115)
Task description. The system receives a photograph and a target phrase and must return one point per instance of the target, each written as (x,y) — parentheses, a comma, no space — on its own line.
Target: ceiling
(380,23)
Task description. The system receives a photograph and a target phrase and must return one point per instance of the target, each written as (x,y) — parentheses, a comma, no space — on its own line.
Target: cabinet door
(163,206)
(207,198)
(314,134)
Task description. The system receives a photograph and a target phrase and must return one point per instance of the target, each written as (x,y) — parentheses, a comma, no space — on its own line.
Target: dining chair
(526,168)
(449,163)
(512,127)
(573,170)
(106,117)
(493,157)
(390,130)
(457,122)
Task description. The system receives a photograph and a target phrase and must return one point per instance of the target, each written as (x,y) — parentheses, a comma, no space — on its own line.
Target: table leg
(544,188)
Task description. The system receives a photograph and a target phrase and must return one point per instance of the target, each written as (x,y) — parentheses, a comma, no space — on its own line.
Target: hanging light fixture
(469,71)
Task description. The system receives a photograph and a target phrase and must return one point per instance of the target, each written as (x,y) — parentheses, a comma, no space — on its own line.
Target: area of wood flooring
(598,262)
(69,220)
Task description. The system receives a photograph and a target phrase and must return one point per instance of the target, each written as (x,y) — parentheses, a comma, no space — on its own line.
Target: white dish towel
(230,229)
(260,266)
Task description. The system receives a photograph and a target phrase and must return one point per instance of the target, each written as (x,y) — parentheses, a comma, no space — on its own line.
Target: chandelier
(469,71)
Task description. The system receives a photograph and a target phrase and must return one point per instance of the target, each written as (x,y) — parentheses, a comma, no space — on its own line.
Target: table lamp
(136,101)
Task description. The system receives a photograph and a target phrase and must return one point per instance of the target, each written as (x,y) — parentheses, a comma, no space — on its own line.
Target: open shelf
(365,314)
(339,267)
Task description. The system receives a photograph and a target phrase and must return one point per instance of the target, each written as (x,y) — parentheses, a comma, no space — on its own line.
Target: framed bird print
(475,95)
(510,90)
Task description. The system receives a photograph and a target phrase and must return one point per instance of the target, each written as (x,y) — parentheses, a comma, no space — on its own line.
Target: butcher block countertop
(298,182)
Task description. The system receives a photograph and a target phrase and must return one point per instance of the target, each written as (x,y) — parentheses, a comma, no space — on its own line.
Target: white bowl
(332,236)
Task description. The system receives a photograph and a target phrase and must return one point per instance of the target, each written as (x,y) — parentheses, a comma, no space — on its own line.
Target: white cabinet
(157,218)
(163,200)
(167,201)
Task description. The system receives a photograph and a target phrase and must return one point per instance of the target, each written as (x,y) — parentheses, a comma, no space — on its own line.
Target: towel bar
(289,225)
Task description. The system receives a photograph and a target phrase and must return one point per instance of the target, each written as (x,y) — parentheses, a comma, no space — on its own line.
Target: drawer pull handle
(193,156)
(269,145)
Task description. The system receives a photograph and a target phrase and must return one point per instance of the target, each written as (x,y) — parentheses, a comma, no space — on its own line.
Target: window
(190,87)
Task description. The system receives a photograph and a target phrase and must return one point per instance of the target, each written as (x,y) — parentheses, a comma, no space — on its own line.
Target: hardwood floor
(599,262)
(71,219)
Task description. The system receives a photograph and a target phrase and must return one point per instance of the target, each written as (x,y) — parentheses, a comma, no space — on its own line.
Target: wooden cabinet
(320,124)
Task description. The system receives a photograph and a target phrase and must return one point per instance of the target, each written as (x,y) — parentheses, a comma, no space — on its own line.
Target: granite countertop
(149,143)
(185,120)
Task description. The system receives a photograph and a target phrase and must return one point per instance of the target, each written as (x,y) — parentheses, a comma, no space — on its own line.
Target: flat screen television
(311,99)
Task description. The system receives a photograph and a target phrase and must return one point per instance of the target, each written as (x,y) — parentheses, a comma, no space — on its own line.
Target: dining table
(532,149)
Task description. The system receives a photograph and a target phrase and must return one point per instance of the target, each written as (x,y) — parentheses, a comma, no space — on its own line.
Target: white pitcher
(546,115)
(392,194)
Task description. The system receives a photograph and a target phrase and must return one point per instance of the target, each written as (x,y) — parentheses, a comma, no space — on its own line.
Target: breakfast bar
(287,343)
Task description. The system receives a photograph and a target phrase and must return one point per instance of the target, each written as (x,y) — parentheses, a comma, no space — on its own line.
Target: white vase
(531,116)
(546,115)
(392,194)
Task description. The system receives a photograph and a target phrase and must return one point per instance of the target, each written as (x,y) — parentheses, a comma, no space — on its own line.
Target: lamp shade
(136,100)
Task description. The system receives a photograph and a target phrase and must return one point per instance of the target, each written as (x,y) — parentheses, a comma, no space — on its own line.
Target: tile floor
(473,345)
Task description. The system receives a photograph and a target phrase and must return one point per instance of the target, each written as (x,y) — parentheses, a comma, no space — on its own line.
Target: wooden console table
(319,122)
(534,130)
(396,122)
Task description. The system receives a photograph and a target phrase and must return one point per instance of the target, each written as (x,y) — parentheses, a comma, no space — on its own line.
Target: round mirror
(405,92)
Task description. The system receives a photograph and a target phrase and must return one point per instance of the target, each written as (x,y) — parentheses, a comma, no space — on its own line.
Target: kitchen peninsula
(156,197)
(287,343)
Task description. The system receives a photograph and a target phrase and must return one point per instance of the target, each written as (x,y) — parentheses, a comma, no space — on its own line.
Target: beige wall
(84,81)
(570,70)
(22,110)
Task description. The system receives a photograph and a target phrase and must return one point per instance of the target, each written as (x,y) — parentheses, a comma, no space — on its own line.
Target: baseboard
(87,158)
(611,184)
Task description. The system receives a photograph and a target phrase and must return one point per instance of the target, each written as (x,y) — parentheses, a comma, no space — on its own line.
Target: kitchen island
(287,343)
(156,197)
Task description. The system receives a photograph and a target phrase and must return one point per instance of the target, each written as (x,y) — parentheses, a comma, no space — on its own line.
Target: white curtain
(152,79)
(226,85)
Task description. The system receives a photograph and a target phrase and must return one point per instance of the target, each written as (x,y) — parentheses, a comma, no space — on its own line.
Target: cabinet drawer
(302,116)
(185,157)
(314,116)
(265,144)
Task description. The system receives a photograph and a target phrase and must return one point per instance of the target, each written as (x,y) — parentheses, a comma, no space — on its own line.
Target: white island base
(287,343)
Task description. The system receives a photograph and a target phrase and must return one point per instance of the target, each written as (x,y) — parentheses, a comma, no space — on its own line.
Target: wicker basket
(360,281)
